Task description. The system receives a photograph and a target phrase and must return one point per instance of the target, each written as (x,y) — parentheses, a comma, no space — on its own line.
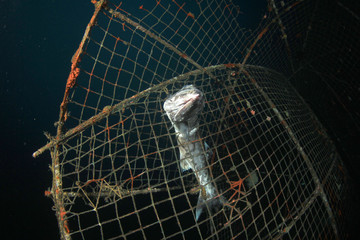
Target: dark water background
(38,39)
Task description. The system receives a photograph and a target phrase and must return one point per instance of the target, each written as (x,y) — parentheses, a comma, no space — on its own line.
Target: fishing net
(115,156)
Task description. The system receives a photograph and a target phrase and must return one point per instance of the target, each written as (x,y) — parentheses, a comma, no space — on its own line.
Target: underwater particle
(252,180)
(248,104)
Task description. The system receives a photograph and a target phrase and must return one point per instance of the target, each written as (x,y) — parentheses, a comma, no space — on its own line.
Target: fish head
(185,105)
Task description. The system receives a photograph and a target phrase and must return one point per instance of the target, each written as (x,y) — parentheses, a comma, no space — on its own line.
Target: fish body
(183,109)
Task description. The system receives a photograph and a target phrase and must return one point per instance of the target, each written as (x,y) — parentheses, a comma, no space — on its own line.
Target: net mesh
(115,158)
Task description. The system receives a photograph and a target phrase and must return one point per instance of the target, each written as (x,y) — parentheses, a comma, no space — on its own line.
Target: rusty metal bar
(118,107)
(56,190)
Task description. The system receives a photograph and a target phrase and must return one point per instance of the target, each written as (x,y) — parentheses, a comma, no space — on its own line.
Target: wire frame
(115,158)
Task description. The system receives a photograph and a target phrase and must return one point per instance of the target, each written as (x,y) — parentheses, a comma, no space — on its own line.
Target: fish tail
(214,204)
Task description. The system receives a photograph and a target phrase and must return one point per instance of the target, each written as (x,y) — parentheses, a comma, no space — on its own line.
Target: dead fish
(183,109)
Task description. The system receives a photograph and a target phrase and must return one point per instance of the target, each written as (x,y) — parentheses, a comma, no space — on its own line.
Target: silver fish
(183,109)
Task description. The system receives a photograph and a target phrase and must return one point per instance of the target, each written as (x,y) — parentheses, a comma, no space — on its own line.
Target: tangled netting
(115,157)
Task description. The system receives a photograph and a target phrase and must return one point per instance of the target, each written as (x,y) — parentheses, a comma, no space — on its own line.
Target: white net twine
(115,157)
